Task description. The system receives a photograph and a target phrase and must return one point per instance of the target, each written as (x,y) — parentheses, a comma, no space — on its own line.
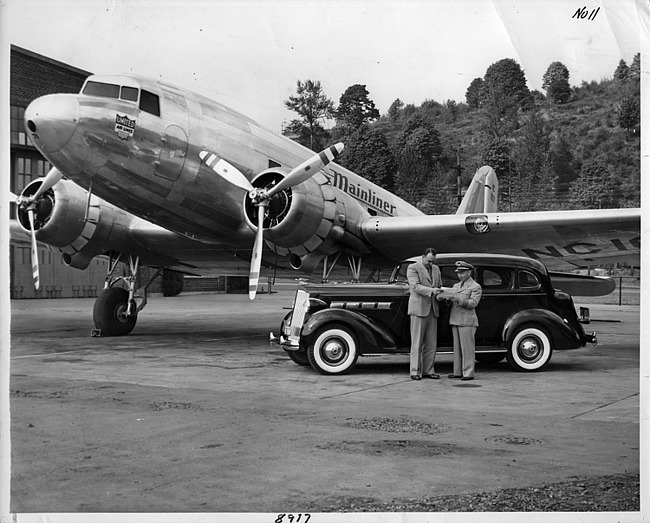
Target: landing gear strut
(116,309)
(354,263)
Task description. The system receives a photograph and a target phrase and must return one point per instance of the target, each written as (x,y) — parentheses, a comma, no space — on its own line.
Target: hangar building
(33,75)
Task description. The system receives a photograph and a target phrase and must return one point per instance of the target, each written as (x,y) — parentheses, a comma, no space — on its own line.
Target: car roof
(486,259)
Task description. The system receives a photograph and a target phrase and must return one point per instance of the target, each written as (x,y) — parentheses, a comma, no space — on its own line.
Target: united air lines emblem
(124,126)
(477,224)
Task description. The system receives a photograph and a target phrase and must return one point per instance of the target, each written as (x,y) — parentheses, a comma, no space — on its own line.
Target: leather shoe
(454,377)
(432,376)
(416,378)
(464,378)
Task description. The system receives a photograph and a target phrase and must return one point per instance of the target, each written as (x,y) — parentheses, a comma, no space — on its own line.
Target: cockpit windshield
(101,89)
(149,102)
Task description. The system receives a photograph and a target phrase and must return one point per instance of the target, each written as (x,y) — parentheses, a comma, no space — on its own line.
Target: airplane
(151,174)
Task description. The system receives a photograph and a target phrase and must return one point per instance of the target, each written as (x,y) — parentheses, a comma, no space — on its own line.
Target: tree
(421,135)
(312,106)
(503,93)
(367,154)
(395,109)
(561,155)
(355,108)
(498,156)
(635,67)
(622,71)
(473,93)
(556,83)
(418,151)
(594,188)
(629,113)
(412,175)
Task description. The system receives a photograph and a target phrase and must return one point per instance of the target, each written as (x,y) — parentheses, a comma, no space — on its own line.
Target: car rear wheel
(335,350)
(529,349)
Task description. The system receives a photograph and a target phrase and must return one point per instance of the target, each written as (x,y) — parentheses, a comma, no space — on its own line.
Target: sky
(249,54)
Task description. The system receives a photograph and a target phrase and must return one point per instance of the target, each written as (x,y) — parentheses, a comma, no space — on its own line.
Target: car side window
(528,281)
(496,279)
(400,273)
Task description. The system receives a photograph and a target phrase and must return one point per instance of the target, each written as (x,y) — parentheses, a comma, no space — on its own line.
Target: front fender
(562,336)
(371,336)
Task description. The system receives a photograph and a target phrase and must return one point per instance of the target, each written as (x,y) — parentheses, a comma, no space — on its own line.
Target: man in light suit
(463,321)
(424,284)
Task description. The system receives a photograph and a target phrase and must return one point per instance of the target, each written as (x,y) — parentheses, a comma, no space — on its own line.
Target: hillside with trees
(572,147)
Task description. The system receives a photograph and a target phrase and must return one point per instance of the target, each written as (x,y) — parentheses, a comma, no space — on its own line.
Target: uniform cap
(463,266)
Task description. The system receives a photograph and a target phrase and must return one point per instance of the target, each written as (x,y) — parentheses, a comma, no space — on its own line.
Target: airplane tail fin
(481,196)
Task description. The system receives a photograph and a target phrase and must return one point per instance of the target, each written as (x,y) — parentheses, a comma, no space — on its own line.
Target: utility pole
(459,169)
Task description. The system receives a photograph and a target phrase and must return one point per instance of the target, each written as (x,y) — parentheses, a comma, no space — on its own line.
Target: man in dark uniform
(424,284)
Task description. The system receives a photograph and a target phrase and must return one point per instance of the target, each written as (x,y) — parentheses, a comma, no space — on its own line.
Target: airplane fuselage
(135,143)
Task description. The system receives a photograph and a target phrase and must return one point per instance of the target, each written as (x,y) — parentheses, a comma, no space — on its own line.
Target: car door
(498,302)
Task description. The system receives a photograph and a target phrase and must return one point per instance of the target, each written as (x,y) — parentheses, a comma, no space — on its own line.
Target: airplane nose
(51,121)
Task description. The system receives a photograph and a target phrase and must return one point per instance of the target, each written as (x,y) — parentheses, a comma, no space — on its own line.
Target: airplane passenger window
(129,93)
(150,103)
(102,89)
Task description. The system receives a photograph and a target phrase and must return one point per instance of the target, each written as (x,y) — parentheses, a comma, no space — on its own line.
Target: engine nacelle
(66,219)
(304,223)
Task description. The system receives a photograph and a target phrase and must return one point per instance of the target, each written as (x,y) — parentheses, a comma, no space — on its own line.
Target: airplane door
(172,154)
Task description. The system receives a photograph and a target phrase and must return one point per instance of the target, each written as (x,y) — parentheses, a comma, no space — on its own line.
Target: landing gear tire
(109,313)
(335,350)
(529,349)
(298,357)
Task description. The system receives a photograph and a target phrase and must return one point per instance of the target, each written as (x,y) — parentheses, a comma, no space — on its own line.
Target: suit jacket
(422,299)
(463,313)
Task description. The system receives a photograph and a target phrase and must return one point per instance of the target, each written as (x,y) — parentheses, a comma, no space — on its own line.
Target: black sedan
(522,317)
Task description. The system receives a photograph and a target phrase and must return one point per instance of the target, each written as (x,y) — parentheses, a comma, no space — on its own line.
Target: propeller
(49,181)
(35,271)
(30,205)
(261,196)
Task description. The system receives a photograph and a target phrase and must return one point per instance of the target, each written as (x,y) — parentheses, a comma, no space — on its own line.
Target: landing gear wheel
(529,349)
(335,350)
(298,357)
(109,313)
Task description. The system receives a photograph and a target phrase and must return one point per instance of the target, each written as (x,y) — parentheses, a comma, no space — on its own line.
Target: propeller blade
(308,168)
(50,180)
(225,170)
(256,260)
(35,271)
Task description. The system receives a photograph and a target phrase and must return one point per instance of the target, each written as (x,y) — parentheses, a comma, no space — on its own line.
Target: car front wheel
(335,350)
(529,349)
(298,357)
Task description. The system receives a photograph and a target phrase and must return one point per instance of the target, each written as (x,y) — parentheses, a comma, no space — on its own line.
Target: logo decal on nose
(124,127)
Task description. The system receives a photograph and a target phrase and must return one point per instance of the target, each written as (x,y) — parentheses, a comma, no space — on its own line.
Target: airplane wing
(560,239)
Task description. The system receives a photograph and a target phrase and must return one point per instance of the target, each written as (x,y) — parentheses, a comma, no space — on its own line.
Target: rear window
(528,281)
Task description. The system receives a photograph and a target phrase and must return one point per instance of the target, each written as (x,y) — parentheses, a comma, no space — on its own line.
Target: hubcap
(334,350)
(530,349)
